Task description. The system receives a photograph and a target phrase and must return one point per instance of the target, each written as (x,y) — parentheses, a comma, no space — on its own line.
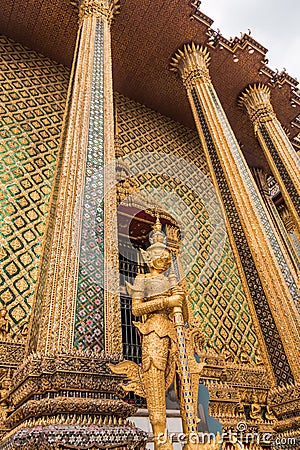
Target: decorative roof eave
(199,15)
(238,43)
(230,44)
(273,78)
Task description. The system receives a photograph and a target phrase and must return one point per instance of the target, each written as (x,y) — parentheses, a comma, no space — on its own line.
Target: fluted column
(277,148)
(77,302)
(271,284)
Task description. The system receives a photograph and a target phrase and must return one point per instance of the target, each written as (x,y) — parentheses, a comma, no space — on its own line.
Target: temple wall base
(80,437)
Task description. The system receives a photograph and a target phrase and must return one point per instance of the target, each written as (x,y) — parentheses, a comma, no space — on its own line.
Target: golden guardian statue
(160,300)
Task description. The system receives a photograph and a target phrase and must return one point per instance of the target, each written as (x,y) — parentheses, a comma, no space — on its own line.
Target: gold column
(233,181)
(88,137)
(283,224)
(64,395)
(277,148)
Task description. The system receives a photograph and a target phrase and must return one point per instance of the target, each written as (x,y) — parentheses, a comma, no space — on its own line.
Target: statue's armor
(158,329)
(157,298)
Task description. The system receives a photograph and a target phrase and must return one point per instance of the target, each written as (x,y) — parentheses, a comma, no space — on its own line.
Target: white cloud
(273,23)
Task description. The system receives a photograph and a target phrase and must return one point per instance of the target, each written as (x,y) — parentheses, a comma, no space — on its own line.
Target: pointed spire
(157,226)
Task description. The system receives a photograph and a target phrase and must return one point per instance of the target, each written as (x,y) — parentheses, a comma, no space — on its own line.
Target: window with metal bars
(129,266)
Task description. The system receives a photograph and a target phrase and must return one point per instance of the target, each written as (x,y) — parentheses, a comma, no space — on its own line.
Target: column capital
(192,64)
(102,9)
(256,101)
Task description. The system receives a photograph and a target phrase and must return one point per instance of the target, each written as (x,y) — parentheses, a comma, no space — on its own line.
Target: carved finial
(192,64)
(102,9)
(157,226)
(173,236)
(157,235)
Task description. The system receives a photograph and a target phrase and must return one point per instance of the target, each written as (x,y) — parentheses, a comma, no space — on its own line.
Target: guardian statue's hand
(175,300)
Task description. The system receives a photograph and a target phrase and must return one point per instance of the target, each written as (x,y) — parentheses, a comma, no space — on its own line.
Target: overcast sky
(275,24)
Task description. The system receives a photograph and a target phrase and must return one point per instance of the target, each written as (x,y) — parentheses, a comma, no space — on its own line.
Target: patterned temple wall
(214,283)
(33,92)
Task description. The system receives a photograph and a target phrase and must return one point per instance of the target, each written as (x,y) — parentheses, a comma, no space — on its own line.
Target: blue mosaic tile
(89,324)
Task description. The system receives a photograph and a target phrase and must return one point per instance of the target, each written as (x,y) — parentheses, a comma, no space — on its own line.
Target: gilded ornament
(255,409)
(258,357)
(287,218)
(5,385)
(256,100)
(269,415)
(244,356)
(192,64)
(228,354)
(4,323)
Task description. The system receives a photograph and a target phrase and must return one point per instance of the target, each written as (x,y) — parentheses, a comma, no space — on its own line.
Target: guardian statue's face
(163,262)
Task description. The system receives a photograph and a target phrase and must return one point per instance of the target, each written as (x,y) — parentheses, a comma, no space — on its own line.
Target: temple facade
(134,137)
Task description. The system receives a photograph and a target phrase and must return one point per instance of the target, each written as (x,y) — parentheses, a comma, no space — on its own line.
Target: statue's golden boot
(165,446)
(160,435)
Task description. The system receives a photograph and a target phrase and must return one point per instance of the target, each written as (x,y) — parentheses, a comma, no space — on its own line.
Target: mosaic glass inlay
(89,327)
(33,92)
(281,368)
